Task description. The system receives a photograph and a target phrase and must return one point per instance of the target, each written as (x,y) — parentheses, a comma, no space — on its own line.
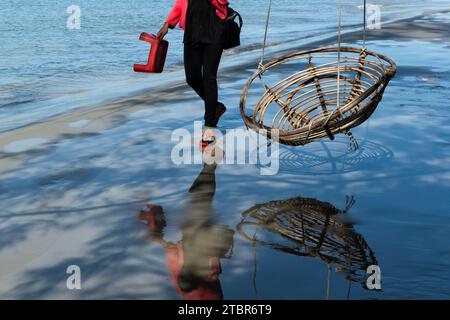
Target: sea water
(48,68)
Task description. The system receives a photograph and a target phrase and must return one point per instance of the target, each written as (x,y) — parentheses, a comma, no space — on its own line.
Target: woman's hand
(163,31)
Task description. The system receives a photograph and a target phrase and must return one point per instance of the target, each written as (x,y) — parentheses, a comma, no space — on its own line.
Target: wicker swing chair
(309,228)
(338,89)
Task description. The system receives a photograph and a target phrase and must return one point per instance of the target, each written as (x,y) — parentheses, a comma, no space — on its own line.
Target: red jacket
(178,13)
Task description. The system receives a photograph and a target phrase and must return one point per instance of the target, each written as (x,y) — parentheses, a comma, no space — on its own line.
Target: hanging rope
(338,71)
(353,143)
(255,289)
(265,35)
(349,288)
(364,24)
(339,57)
(328,281)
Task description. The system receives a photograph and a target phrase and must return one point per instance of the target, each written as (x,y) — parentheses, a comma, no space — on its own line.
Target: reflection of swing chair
(330,158)
(310,228)
(338,89)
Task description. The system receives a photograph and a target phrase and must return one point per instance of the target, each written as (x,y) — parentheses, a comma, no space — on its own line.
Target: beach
(73,186)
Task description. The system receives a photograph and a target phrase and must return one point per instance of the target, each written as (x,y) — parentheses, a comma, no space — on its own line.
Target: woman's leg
(193,60)
(211,59)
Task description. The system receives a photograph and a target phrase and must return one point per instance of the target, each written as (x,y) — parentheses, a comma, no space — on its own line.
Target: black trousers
(201,63)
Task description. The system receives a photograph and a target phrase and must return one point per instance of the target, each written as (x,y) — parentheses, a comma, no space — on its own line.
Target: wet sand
(72,189)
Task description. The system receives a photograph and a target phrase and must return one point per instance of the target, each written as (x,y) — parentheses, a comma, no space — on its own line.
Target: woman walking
(204,34)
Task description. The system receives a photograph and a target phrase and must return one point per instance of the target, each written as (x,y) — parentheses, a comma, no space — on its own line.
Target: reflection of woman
(194,261)
(203,22)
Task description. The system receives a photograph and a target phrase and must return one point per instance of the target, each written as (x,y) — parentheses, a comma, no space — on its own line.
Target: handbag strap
(233,16)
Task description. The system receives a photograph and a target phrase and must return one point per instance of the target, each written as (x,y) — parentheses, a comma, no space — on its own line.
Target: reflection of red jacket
(210,289)
(178,13)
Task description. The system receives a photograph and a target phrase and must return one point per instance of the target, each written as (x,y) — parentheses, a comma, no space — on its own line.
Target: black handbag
(233,29)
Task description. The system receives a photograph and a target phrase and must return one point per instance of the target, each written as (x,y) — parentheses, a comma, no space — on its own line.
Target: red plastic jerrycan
(157,55)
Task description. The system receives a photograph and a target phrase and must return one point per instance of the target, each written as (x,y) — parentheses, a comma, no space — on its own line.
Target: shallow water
(47,69)
(77,200)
